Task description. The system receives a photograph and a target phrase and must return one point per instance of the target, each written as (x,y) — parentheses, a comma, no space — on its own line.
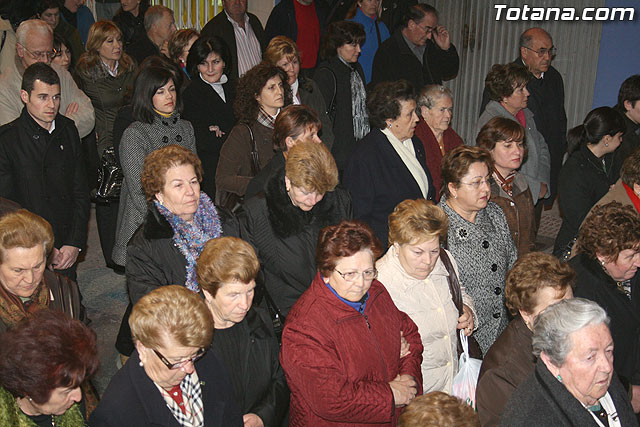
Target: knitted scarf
(190,237)
(358,105)
(13,310)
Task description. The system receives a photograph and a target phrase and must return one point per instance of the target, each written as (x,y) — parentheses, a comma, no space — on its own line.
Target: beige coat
(8,50)
(11,105)
(428,303)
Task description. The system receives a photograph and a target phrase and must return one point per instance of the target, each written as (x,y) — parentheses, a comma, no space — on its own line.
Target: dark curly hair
(608,230)
(341,33)
(250,85)
(383,103)
(502,80)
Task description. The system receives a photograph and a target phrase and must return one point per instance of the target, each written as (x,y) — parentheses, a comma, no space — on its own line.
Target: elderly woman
(389,165)
(105,73)
(574,383)
(341,346)
(418,279)
(172,378)
(504,139)
(262,92)
(536,281)
(178,47)
(208,103)
(283,223)
(438,409)
(627,189)
(156,110)
(284,53)
(244,338)
(607,264)
(295,123)
(180,220)
(26,285)
(507,88)
(435,108)
(341,81)
(365,12)
(587,174)
(478,237)
(43,362)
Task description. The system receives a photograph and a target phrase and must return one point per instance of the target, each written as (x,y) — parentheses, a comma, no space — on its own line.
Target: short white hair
(35,25)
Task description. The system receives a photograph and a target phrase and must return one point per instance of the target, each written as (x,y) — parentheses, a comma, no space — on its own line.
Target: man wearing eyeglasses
(35,44)
(546,99)
(420,51)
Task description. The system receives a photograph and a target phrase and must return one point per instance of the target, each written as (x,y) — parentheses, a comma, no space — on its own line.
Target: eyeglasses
(426,29)
(542,52)
(181,363)
(47,56)
(476,184)
(352,276)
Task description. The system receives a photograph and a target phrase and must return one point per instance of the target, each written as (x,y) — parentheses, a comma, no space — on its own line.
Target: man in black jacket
(159,25)
(243,33)
(420,52)
(41,165)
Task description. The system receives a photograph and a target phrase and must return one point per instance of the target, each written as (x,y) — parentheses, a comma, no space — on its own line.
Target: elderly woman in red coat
(344,346)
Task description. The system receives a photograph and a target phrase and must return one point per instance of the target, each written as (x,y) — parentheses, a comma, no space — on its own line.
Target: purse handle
(255,158)
(454,284)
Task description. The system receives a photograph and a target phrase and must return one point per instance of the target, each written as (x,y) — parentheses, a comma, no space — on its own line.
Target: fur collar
(156,226)
(288,220)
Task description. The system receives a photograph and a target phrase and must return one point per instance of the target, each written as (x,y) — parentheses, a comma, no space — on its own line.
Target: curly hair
(342,240)
(438,409)
(630,172)
(90,63)
(178,41)
(531,273)
(158,162)
(340,33)
(503,80)
(250,86)
(608,230)
(383,103)
(456,164)
(414,221)
(46,351)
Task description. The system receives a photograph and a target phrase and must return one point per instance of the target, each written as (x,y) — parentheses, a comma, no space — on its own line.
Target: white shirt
(247,45)
(217,86)
(408,155)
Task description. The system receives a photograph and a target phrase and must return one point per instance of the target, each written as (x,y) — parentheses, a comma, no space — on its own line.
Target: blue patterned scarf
(190,238)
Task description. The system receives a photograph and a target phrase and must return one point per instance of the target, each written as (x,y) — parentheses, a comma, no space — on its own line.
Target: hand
(466,320)
(65,257)
(404,389)
(543,190)
(635,398)
(441,37)
(404,346)
(216,130)
(252,420)
(71,109)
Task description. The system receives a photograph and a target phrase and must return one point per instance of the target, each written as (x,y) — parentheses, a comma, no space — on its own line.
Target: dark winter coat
(45,173)
(285,237)
(142,47)
(583,181)
(203,107)
(282,20)
(630,143)
(594,284)
(339,362)
(507,364)
(133,400)
(543,400)
(132,27)
(264,392)
(221,27)
(258,183)
(394,60)
(312,97)
(378,180)
(340,90)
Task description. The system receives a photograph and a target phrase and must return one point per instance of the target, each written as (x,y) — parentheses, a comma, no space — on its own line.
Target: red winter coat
(338,367)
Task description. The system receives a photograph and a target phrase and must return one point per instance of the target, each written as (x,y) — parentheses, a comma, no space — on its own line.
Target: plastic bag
(466,380)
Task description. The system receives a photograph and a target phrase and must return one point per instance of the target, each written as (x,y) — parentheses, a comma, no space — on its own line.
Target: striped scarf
(506,183)
(193,415)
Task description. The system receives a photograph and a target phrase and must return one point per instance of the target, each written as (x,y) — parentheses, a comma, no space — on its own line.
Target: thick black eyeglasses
(181,363)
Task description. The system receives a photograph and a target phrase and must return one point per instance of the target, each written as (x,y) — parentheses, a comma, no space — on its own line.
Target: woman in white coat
(417,279)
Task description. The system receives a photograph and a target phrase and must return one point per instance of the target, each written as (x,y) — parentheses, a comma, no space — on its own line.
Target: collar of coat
(320,289)
(34,128)
(156,226)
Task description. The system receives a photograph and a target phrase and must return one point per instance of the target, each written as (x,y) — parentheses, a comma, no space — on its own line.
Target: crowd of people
(305,238)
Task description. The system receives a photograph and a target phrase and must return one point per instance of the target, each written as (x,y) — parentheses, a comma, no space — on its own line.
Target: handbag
(456,295)
(109,176)
(233,201)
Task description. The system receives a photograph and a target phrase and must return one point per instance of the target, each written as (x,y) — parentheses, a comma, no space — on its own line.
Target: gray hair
(554,326)
(154,14)
(431,94)
(35,25)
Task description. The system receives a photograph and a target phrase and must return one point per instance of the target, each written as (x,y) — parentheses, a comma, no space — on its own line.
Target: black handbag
(109,176)
(454,287)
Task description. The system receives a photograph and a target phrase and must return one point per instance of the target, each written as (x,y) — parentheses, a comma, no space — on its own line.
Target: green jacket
(11,415)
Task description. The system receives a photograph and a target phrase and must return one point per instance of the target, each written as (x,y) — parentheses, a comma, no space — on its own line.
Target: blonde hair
(90,63)
(226,259)
(24,229)
(438,409)
(281,47)
(416,221)
(172,312)
(312,167)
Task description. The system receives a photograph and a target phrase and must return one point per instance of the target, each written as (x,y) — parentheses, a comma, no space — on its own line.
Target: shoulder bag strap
(454,284)
(331,108)
(255,158)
